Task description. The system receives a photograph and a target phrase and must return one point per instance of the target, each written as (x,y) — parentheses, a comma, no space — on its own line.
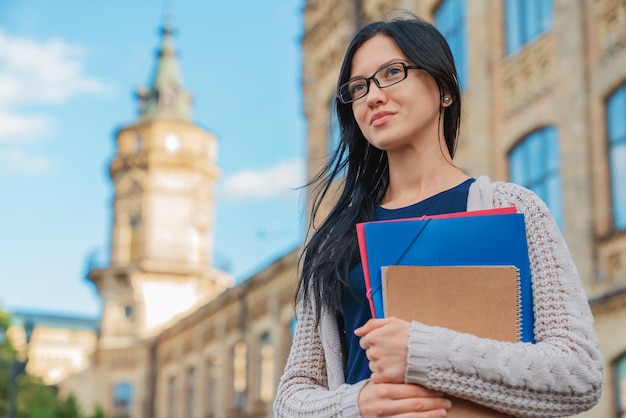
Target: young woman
(399,105)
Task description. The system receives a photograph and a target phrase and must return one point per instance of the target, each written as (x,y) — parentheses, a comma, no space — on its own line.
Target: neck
(415,175)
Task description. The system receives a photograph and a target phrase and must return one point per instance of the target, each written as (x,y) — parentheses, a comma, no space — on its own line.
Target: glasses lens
(353,90)
(391,74)
(358,88)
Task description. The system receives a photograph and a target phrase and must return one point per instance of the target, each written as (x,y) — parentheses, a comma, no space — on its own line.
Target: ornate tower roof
(165,98)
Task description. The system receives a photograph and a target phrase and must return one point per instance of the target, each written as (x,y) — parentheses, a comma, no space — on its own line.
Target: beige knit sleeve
(560,375)
(303,389)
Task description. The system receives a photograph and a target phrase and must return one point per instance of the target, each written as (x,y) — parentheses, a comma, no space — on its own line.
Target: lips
(380,118)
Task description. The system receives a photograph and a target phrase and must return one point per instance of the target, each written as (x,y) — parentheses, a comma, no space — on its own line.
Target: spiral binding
(518,304)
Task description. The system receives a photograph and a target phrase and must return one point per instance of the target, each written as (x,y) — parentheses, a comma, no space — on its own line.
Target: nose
(375,94)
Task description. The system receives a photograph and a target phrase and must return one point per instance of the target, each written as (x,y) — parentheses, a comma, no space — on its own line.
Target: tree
(7,360)
(36,400)
(98,412)
(69,408)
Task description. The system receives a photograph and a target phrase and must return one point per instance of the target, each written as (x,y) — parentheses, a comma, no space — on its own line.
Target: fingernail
(447,404)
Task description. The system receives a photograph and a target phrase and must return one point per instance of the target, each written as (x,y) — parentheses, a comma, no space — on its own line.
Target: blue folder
(498,240)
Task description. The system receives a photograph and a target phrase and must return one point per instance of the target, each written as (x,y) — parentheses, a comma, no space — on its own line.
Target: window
(239,373)
(122,400)
(535,164)
(334,133)
(135,238)
(619,369)
(450,20)
(171,398)
(266,381)
(191,392)
(211,381)
(128,312)
(292,326)
(138,143)
(526,20)
(616,127)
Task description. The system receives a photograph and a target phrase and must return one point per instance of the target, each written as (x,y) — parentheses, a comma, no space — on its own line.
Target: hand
(406,400)
(385,343)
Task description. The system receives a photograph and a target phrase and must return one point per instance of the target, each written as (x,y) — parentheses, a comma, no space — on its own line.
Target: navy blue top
(356,306)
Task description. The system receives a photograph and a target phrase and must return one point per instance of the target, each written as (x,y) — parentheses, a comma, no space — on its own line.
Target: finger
(417,391)
(370,325)
(438,413)
(415,405)
(402,391)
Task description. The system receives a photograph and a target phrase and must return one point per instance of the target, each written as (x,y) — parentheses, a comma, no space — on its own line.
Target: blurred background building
(544,92)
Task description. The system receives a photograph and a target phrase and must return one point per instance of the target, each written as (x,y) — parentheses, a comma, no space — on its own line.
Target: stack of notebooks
(466,271)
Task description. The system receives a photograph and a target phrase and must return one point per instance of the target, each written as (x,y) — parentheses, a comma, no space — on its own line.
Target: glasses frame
(368,80)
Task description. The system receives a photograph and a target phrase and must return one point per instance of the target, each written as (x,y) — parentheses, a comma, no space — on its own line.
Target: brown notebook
(479,300)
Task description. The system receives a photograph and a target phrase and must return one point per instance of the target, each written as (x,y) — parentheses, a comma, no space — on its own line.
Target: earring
(446,100)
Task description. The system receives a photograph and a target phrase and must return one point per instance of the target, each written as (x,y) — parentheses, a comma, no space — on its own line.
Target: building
(544,92)
(60,345)
(175,338)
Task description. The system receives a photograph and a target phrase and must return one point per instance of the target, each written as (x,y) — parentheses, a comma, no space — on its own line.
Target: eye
(394,70)
(357,87)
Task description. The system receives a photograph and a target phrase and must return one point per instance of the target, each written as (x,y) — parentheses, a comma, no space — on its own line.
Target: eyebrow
(391,61)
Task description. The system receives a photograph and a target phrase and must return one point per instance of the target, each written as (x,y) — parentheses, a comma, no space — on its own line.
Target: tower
(164,172)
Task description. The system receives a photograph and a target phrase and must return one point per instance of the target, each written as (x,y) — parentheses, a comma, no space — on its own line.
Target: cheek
(360,115)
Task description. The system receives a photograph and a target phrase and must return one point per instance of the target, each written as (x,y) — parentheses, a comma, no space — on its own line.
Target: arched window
(616,129)
(535,163)
(333,128)
(138,143)
(171,397)
(450,19)
(122,400)
(619,370)
(266,377)
(190,392)
(292,326)
(526,20)
(212,377)
(240,366)
(135,238)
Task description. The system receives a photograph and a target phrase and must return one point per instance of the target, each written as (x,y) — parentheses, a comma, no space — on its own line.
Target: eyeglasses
(385,77)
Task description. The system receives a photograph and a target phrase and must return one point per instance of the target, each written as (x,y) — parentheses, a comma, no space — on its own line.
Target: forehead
(374,53)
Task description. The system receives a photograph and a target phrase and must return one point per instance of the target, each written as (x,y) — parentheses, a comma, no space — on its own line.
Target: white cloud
(34,73)
(284,177)
(16,127)
(17,162)
(49,72)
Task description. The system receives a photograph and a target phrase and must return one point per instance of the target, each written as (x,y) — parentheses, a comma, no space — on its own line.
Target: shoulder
(485,193)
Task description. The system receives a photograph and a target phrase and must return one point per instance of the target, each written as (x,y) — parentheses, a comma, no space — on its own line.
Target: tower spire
(165,98)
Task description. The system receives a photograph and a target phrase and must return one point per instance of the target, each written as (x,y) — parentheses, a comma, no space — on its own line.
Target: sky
(69,70)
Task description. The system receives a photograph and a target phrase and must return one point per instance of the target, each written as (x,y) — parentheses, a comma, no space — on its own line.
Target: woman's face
(403,114)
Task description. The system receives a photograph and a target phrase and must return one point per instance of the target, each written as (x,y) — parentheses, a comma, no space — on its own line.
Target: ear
(446,99)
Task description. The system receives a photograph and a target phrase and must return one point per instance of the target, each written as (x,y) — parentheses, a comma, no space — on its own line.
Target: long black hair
(332,249)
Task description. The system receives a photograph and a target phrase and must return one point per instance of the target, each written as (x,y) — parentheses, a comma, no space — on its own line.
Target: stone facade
(225,359)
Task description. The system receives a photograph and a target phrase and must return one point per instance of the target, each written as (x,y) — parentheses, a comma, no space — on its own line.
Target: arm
(310,387)
(303,390)
(559,375)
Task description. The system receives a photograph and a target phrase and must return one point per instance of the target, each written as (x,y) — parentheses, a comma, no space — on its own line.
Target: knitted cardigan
(560,375)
